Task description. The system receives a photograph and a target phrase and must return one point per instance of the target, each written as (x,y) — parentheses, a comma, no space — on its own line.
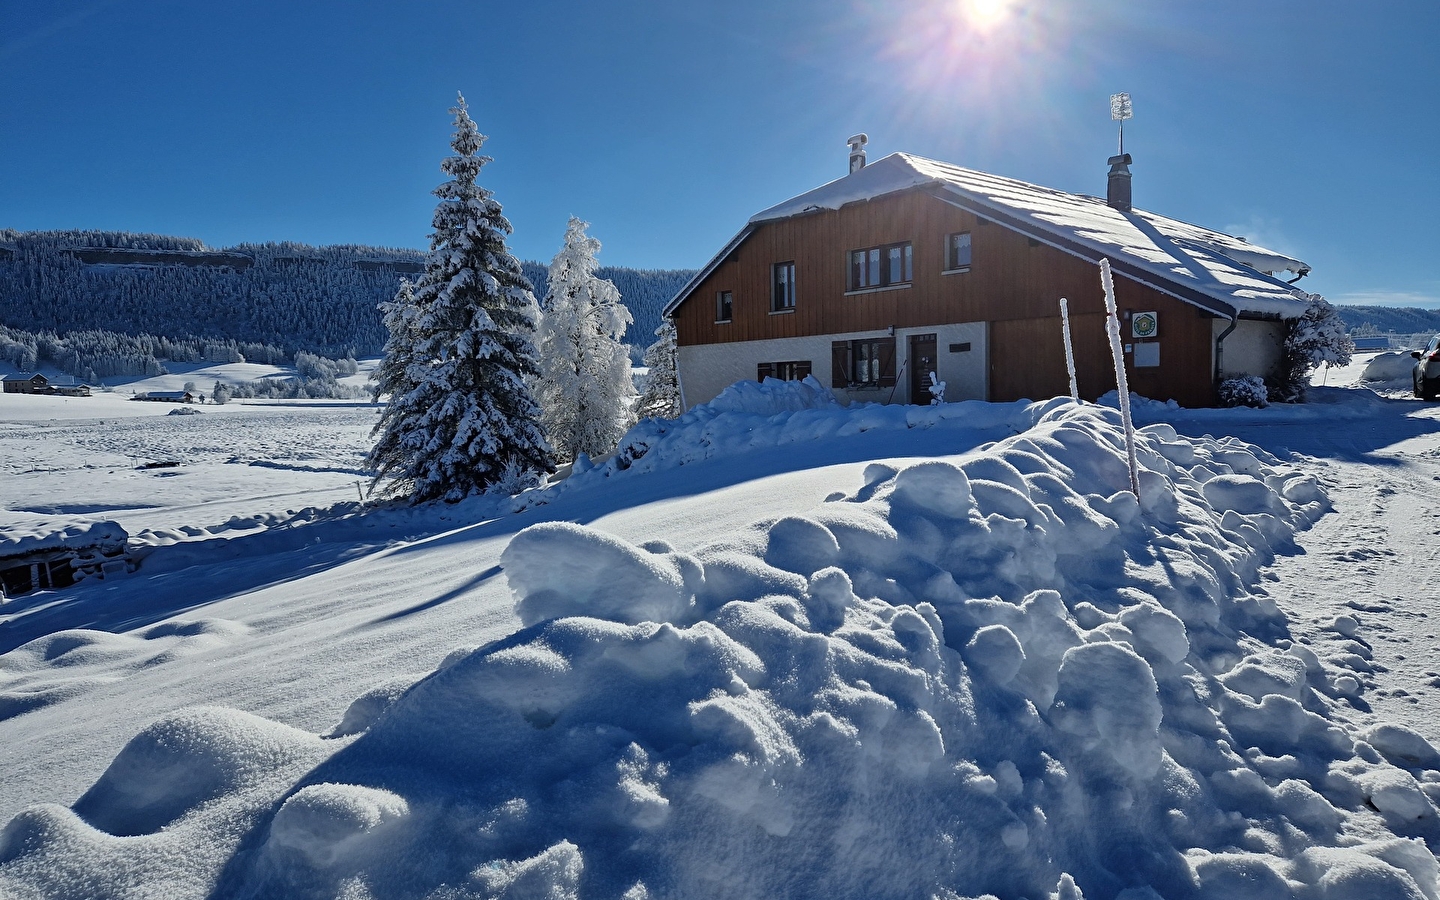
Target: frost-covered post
(661,399)
(461,418)
(584,386)
(1069,350)
(1122,384)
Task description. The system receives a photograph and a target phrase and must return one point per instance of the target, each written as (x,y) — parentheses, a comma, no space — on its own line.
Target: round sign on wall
(1144,325)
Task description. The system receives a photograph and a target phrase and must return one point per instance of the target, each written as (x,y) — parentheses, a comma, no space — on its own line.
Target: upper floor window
(876,267)
(957,251)
(724,305)
(782,287)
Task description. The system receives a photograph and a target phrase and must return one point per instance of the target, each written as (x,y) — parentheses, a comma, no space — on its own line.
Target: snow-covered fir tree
(396,374)
(461,418)
(661,399)
(584,385)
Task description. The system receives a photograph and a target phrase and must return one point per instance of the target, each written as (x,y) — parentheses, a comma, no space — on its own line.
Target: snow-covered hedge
(997,674)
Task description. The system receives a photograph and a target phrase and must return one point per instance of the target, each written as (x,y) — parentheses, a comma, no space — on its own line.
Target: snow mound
(182,761)
(997,674)
(1392,366)
(39,673)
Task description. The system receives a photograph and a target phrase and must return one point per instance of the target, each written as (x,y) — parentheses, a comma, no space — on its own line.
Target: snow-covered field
(793,650)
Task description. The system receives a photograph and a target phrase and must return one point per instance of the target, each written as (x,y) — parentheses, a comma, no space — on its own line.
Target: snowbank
(751,415)
(1391,369)
(992,674)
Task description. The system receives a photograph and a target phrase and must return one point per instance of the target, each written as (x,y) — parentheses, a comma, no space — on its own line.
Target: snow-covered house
(909,265)
(166,396)
(25,383)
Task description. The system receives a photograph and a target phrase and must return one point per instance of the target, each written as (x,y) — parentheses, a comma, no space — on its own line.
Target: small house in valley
(25,383)
(909,266)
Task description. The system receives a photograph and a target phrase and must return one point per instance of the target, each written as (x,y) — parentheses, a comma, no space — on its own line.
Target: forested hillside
(1363,320)
(286,295)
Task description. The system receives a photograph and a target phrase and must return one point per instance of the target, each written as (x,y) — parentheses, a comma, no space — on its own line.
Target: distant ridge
(289,295)
(1388,319)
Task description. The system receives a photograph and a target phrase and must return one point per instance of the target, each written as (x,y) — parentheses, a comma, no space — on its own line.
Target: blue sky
(1309,127)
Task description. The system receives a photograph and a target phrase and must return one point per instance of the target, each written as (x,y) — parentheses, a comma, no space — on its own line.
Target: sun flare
(986,15)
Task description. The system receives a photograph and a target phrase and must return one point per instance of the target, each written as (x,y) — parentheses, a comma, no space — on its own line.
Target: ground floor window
(864,363)
(792,370)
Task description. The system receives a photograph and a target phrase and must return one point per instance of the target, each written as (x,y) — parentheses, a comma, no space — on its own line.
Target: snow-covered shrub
(1248,390)
(1316,338)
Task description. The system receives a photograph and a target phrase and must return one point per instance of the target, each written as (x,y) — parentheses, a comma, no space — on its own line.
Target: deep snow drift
(994,673)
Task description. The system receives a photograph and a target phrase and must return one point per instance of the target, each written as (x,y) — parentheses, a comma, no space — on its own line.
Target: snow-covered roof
(18,538)
(1219,272)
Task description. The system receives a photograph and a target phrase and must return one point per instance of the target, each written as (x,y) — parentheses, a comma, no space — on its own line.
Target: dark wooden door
(922,363)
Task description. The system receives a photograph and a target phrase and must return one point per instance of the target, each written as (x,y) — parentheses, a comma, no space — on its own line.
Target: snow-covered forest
(287,295)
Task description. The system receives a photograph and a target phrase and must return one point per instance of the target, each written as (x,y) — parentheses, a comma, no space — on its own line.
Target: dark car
(1427,370)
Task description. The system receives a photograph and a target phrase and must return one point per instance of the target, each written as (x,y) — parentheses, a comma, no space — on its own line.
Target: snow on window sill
(877,290)
(781,312)
(723,321)
(960,271)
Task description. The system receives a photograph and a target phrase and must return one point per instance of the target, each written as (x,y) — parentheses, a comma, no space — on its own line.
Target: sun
(986,15)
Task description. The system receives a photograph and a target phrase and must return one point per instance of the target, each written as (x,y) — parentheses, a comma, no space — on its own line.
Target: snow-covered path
(1375,559)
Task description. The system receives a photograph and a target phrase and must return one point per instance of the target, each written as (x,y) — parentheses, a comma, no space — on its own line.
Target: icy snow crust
(1226,268)
(990,674)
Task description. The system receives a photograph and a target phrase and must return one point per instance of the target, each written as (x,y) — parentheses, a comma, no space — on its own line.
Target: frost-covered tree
(461,418)
(584,385)
(394,375)
(1317,338)
(661,399)
(221,393)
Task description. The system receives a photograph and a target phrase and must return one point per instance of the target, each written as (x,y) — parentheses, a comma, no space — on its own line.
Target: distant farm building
(166,396)
(24,383)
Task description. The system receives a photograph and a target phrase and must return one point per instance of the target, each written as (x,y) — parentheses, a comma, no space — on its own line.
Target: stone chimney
(857,152)
(1117,191)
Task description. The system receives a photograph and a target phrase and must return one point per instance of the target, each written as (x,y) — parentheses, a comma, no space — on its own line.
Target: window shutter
(887,363)
(840,364)
(764,371)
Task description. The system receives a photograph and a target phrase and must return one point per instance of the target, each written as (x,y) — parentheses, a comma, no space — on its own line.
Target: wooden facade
(1013,283)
